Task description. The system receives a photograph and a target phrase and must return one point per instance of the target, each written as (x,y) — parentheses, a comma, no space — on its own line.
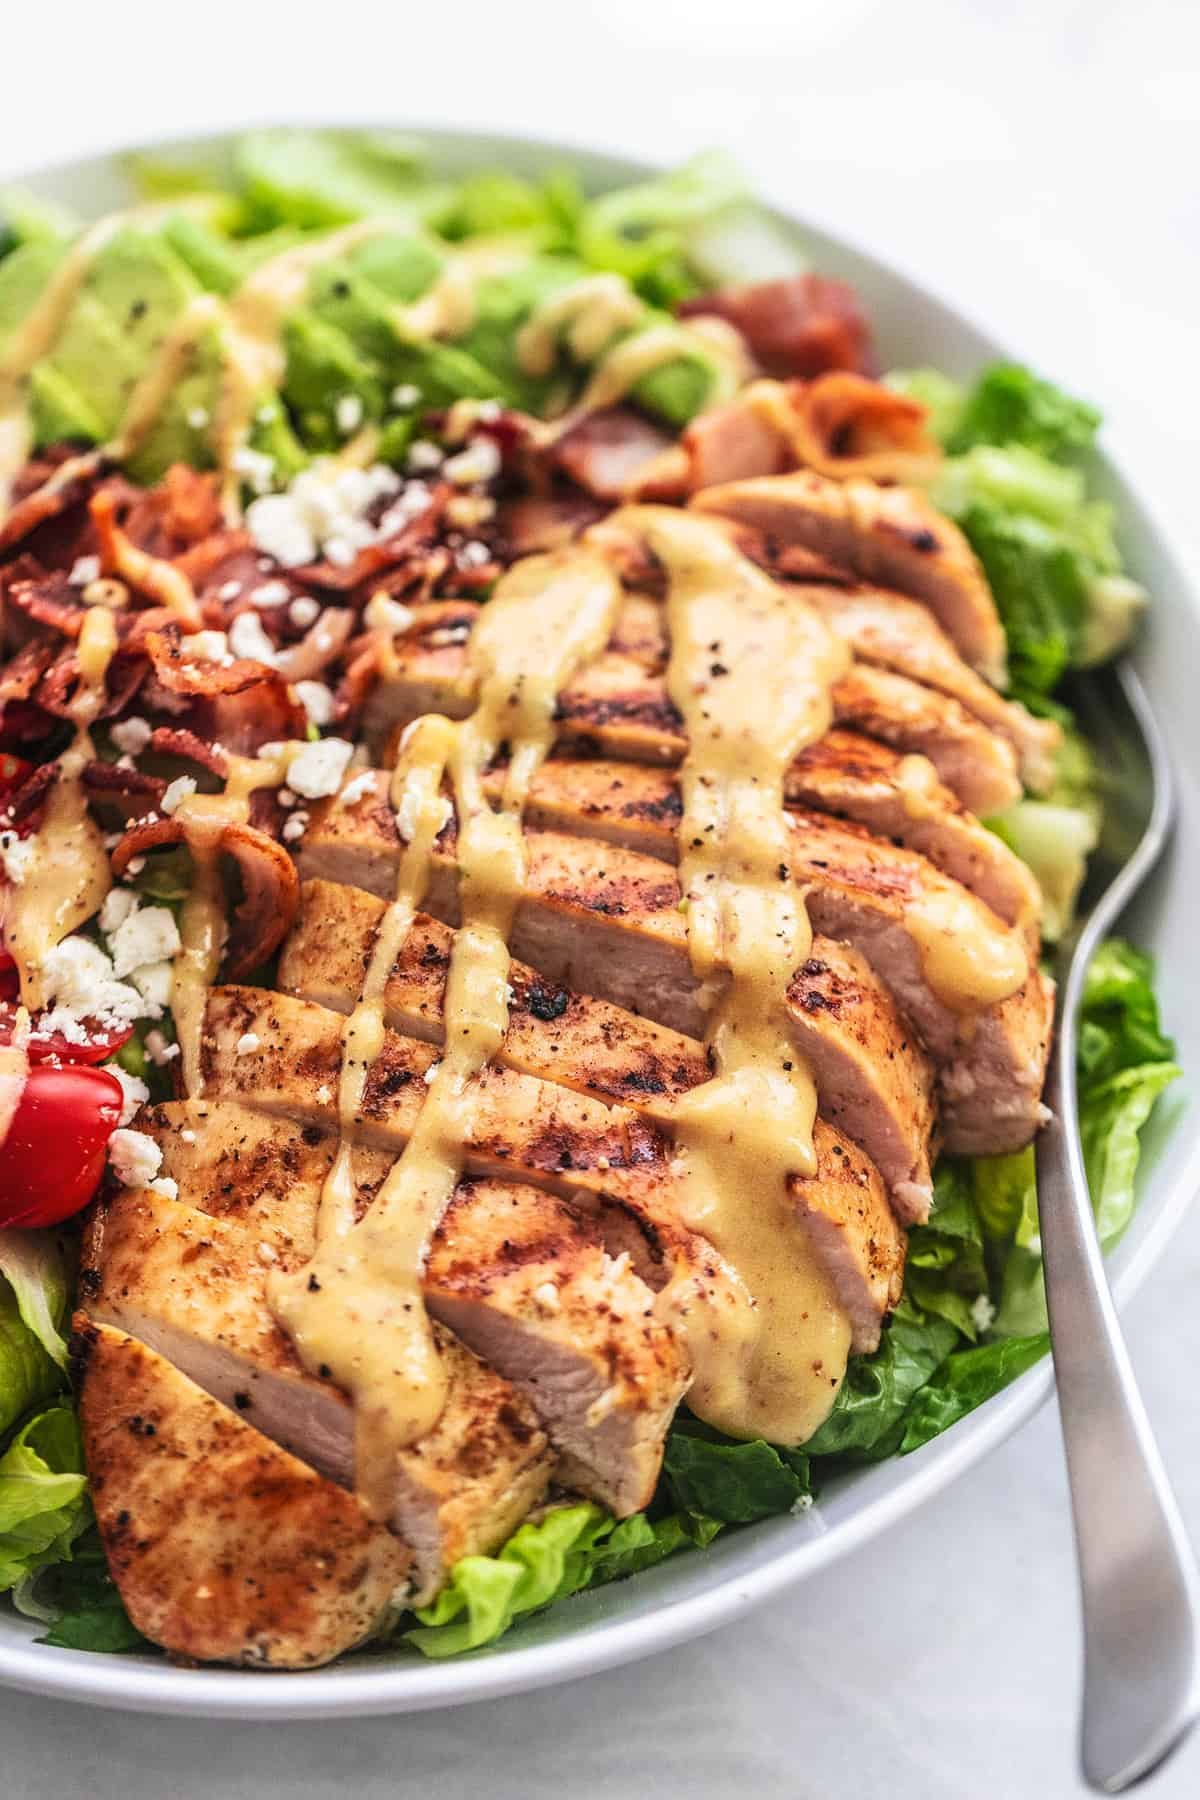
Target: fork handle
(1136,1570)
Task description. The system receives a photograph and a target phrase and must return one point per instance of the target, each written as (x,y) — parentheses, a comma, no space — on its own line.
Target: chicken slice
(844,776)
(606,920)
(901,635)
(619,706)
(891,535)
(521,1128)
(224,1547)
(872,1084)
(191,1288)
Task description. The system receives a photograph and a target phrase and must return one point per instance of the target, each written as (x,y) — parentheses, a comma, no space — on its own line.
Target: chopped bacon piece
(413,537)
(543,522)
(133,793)
(48,490)
(169,740)
(321,644)
(799,325)
(270,886)
(149,574)
(606,452)
(123,677)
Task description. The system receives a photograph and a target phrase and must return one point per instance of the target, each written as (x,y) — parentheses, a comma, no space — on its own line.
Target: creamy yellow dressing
(356,1311)
(69,876)
(587,313)
(622,367)
(203,918)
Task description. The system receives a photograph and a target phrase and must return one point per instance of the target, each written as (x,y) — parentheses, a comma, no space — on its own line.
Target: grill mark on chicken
(619,706)
(873,1085)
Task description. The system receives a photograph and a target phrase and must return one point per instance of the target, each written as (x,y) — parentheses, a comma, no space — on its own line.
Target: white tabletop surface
(1035,161)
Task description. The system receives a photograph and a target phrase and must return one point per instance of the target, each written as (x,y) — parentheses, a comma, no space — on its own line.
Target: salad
(454,633)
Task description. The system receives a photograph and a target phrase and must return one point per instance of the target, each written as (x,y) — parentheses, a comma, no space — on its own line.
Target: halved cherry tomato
(103,1041)
(52,1159)
(10,981)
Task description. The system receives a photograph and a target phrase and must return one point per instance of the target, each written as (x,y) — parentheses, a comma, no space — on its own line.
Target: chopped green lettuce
(964,1381)
(709,1475)
(43,1499)
(79,1600)
(569,1548)
(1047,550)
(315,178)
(33,1265)
(1057,832)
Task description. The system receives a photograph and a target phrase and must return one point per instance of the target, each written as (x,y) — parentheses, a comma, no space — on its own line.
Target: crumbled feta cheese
(148,934)
(357,788)
(348,413)
(248,1043)
(256,466)
(295,828)
(467,511)
(423,456)
(271,593)
(135,1158)
(207,646)
(165,1187)
(318,769)
(473,555)
(154,982)
(119,902)
(187,1135)
(177,792)
(983,1313)
(324,1095)
(382,613)
(431,1073)
(17,855)
(480,461)
(158,1049)
(266,1253)
(230,590)
(408,814)
(131,735)
(80,982)
(801,1504)
(132,1087)
(546,1297)
(303,611)
(197,418)
(406,396)
(317,701)
(247,638)
(83,570)
(324,512)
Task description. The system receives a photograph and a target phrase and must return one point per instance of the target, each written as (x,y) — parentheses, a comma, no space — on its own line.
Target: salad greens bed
(973,1314)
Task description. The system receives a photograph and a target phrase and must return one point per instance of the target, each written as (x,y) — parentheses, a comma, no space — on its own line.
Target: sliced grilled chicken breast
(900,634)
(191,1288)
(522,1128)
(873,1083)
(891,535)
(606,920)
(619,705)
(207,1525)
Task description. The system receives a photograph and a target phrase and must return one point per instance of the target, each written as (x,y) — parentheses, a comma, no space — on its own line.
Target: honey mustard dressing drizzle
(70,874)
(751,672)
(356,1311)
(203,918)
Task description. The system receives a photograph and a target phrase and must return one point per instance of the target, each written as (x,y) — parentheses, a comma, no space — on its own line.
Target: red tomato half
(52,1160)
(101,1044)
(14,770)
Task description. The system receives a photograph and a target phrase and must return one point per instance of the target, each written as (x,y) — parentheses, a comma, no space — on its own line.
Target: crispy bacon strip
(133,792)
(321,644)
(416,536)
(844,426)
(162,580)
(170,740)
(270,887)
(798,325)
(611,453)
(62,486)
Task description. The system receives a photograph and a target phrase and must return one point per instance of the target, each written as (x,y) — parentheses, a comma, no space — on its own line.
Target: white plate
(695,1593)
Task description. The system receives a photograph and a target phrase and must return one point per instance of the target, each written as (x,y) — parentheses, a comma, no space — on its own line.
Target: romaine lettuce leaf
(1009,404)
(866,1423)
(570,1548)
(79,1600)
(43,1502)
(33,1264)
(964,1381)
(709,1474)
(28,1373)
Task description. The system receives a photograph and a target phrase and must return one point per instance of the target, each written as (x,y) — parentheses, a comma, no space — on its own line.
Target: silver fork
(1136,1570)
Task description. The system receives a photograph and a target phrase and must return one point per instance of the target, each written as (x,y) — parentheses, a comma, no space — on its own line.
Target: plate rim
(348,1689)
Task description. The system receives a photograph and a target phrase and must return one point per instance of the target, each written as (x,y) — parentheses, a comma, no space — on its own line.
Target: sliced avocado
(26,219)
(395,439)
(346,297)
(212,260)
(323,369)
(142,285)
(183,430)
(23,275)
(59,411)
(502,305)
(272,434)
(97,360)
(444,373)
(678,390)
